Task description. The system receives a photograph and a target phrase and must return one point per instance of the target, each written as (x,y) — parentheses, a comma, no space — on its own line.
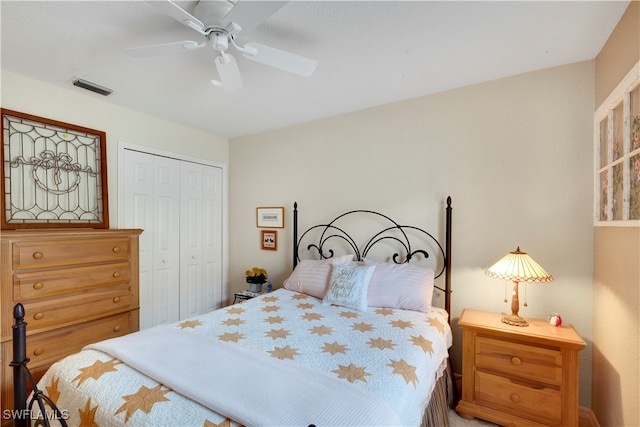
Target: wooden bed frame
(329,236)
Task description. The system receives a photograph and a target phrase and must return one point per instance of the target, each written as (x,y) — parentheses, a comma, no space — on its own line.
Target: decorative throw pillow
(403,286)
(348,286)
(311,277)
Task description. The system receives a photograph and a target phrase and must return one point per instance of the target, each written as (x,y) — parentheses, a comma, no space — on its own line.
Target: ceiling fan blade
(280,59)
(163,48)
(250,14)
(174,11)
(229,72)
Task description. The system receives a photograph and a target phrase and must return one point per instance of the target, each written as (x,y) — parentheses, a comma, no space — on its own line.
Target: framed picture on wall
(54,174)
(269,240)
(270,217)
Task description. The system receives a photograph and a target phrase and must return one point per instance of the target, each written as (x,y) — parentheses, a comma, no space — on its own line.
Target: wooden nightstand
(515,375)
(245,295)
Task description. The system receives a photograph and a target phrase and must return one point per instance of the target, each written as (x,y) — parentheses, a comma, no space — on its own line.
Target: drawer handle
(116,299)
(38,352)
(37,255)
(117,328)
(116,274)
(38,316)
(116,249)
(38,285)
(515,398)
(516,360)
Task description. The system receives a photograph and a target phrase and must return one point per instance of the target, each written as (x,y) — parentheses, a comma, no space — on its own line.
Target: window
(617,154)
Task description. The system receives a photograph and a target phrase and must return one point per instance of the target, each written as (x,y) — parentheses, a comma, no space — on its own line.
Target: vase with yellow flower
(256,277)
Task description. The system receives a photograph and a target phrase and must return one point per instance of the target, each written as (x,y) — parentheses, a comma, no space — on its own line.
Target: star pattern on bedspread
(305,305)
(231,336)
(407,371)
(362,327)
(278,333)
(235,309)
(312,316)
(384,311)
(142,400)
(270,308)
(233,321)
(299,296)
(352,373)
(334,348)
(285,352)
(321,330)
(270,298)
(348,314)
(225,423)
(425,344)
(96,370)
(274,319)
(190,324)
(436,324)
(402,324)
(88,415)
(381,343)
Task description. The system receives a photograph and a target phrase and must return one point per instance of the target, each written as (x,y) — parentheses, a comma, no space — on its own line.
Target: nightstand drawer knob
(516,360)
(515,398)
(38,285)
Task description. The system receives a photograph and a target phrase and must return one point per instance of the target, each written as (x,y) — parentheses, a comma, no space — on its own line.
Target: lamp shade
(519,267)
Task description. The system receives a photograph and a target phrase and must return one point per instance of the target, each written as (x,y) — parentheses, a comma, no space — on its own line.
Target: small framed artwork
(54,174)
(270,217)
(269,239)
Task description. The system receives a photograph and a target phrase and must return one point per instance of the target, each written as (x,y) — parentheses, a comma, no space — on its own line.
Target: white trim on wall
(620,95)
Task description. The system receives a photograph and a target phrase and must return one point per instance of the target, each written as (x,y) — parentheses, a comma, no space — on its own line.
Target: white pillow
(348,286)
(311,277)
(403,286)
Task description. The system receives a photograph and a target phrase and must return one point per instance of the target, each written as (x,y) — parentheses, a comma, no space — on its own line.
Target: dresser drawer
(43,314)
(68,252)
(530,400)
(521,360)
(28,286)
(48,347)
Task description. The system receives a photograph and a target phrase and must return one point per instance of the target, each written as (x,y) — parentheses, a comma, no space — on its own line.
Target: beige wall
(616,321)
(90,110)
(511,153)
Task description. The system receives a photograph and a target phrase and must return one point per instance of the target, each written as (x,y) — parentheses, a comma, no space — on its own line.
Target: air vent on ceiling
(92,87)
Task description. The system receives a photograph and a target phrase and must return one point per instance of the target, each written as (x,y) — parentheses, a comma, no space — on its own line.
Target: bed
(350,339)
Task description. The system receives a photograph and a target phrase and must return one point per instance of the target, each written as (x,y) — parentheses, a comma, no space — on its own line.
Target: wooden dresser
(515,375)
(77,287)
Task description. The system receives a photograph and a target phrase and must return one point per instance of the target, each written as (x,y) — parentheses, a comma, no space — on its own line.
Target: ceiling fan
(220,21)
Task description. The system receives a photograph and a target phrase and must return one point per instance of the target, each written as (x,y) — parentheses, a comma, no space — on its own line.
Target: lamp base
(514,319)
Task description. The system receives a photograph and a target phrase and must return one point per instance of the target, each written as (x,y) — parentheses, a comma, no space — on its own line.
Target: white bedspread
(288,359)
(182,361)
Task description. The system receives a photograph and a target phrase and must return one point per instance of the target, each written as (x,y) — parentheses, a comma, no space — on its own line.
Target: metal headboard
(333,232)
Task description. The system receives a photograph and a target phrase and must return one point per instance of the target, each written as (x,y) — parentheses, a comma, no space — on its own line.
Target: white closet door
(200,239)
(151,202)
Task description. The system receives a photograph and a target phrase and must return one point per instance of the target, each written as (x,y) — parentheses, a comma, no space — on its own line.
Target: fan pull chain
(505,291)
(525,294)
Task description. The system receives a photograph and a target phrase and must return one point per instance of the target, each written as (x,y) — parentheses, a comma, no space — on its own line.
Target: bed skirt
(443,397)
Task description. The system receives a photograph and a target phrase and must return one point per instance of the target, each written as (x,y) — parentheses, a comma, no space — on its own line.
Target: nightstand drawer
(534,401)
(524,361)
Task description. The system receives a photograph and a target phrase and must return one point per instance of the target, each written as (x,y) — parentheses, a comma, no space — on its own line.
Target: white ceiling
(369,53)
